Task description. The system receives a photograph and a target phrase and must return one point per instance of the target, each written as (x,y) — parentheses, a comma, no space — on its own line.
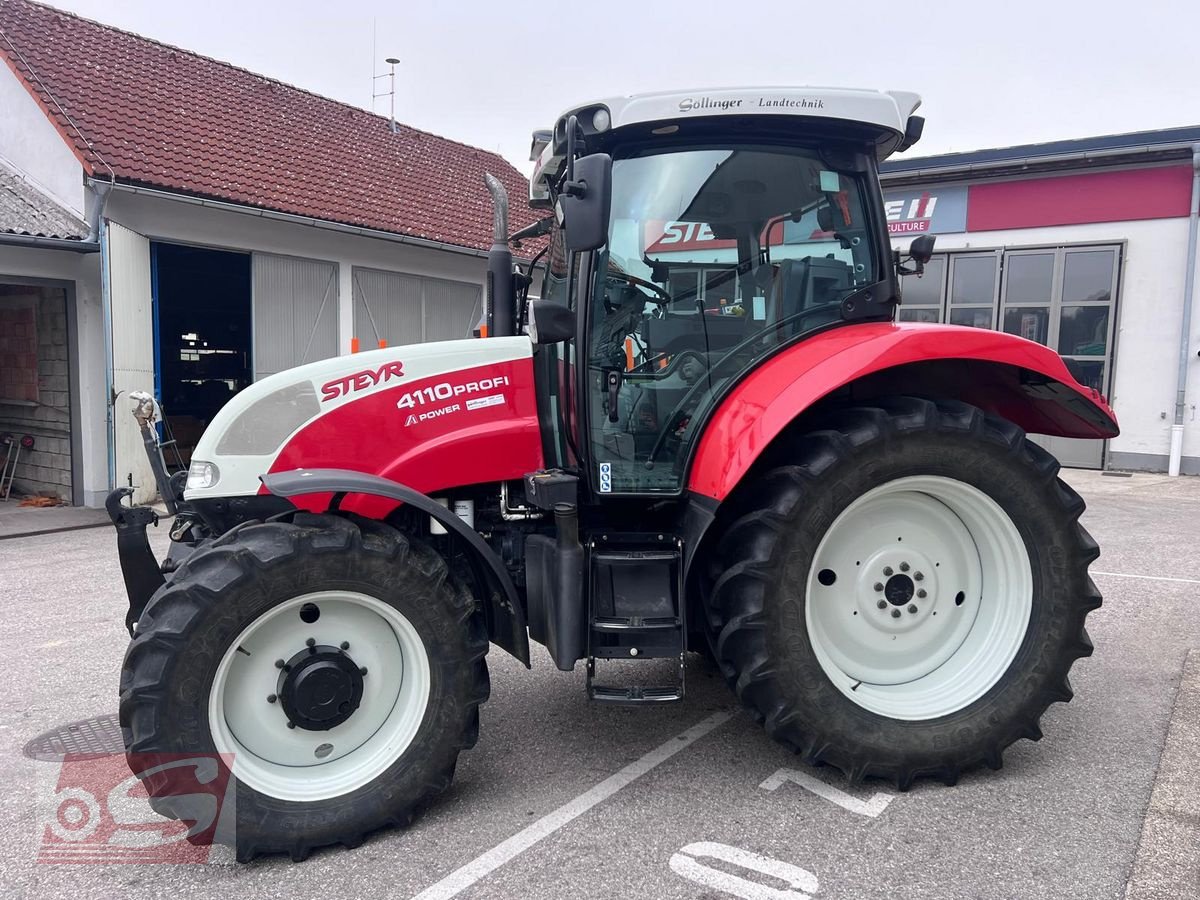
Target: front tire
(382,674)
(907,598)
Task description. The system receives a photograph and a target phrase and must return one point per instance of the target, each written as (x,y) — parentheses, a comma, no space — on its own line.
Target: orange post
(628,354)
(382,344)
(353,345)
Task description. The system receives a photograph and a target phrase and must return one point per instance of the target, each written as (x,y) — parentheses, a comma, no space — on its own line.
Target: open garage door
(295,312)
(132,322)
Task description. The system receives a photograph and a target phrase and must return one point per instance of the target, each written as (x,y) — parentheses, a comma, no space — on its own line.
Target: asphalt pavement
(562,798)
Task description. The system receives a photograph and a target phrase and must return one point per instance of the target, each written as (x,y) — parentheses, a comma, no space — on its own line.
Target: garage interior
(202,302)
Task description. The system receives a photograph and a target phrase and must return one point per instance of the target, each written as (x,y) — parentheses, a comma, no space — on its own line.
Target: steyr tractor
(706,434)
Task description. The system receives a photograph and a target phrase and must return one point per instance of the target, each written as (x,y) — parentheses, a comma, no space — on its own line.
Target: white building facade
(1087,246)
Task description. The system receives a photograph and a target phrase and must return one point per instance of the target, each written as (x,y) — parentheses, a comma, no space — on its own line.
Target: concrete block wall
(47,468)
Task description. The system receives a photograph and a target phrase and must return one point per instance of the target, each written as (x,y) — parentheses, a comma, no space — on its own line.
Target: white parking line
(870,808)
(1149,577)
(462,878)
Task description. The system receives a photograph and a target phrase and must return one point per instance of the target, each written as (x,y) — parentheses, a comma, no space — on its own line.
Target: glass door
(1064,298)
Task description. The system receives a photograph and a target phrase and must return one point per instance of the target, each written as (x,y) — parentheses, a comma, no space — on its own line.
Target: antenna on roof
(391,91)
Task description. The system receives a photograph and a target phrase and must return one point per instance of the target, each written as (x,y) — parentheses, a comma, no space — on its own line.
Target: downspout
(98,232)
(1185,334)
(106,325)
(100,192)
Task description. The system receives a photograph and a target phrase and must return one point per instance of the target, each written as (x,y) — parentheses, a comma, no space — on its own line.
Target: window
(972,298)
(715,257)
(921,296)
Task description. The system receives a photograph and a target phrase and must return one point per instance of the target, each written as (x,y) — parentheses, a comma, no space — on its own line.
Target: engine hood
(382,412)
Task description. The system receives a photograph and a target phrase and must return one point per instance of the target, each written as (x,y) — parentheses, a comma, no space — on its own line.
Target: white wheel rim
(930,655)
(303,765)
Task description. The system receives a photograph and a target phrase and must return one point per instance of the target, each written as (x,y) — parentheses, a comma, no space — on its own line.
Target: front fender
(502,609)
(1017,379)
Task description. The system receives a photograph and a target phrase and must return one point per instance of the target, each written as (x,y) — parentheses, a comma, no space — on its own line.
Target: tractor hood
(432,416)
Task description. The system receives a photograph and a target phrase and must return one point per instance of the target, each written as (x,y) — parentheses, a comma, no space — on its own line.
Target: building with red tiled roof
(151,114)
(184,226)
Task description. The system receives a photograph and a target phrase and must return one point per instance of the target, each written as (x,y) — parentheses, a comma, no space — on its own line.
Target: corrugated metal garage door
(128,276)
(409,309)
(295,312)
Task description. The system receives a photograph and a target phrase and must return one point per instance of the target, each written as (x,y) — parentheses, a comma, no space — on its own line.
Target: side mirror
(585,203)
(550,323)
(921,249)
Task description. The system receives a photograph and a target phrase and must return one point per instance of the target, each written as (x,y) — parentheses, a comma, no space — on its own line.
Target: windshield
(715,257)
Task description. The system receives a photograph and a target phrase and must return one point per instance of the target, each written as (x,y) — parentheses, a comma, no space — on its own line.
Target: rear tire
(820,628)
(200,676)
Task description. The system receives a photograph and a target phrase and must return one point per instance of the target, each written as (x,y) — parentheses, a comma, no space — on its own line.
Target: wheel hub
(899,590)
(320,688)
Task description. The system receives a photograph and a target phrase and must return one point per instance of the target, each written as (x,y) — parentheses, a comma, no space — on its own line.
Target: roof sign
(940,210)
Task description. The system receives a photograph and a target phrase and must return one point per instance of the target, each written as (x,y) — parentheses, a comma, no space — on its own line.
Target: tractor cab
(693,236)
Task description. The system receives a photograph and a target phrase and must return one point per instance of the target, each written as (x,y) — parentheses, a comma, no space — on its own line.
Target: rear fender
(502,609)
(1024,382)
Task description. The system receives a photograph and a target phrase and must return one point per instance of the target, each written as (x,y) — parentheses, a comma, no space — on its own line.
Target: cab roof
(890,112)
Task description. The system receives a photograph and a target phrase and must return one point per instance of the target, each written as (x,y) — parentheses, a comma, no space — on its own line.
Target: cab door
(554,364)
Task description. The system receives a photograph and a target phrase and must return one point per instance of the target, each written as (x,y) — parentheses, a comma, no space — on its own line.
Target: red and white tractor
(708,433)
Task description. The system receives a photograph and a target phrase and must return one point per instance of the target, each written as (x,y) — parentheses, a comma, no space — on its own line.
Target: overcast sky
(488,73)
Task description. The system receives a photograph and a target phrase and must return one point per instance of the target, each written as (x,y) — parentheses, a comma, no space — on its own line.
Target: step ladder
(635,611)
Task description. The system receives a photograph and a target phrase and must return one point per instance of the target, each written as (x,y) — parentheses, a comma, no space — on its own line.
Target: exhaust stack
(501,294)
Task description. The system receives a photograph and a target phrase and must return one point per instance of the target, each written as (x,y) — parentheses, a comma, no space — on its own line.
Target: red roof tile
(167,117)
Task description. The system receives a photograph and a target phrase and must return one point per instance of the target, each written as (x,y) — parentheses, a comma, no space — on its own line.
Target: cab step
(636,611)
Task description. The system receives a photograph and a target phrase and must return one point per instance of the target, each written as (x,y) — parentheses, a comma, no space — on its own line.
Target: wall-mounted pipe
(100,191)
(1185,333)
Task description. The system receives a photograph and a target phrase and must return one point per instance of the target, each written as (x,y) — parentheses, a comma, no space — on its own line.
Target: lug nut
(918,576)
(633,651)
(921,593)
(878,586)
(279,664)
(887,570)
(903,567)
(271,698)
(311,642)
(882,604)
(291,724)
(912,608)
(363,671)
(345,645)
(895,613)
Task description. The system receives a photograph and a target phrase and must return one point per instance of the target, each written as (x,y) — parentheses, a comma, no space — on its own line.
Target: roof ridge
(285,84)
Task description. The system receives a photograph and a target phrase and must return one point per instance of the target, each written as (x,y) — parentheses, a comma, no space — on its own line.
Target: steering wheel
(661,295)
(701,383)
